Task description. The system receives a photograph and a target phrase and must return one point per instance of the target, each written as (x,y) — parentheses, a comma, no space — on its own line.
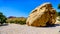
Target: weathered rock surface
(42,16)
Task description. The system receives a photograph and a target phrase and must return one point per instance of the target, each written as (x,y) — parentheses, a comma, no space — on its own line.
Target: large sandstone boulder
(42,16)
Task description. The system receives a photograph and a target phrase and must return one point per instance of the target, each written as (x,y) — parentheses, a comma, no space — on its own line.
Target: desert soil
(24,29)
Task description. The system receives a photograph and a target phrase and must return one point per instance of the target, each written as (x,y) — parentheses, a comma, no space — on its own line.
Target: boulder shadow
(57,24)
(54,25)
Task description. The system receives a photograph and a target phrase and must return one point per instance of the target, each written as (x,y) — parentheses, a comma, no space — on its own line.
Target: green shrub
(2,18)
(17,20)
(20,22)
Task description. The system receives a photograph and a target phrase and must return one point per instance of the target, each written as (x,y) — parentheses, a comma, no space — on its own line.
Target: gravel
(24,29)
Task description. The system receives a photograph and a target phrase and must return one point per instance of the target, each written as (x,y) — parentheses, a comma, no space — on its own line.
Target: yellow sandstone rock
(42,16)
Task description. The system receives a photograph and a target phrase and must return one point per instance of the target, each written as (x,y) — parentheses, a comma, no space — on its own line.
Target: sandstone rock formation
(42,16)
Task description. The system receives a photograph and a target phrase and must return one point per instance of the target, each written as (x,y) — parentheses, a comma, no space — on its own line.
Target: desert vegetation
(11,19)
(2,18)
(16,20)
(59,9)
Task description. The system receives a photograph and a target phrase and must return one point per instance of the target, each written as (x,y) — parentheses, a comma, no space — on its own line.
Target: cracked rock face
(43,15)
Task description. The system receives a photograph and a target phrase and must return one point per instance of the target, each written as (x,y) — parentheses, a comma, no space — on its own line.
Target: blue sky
(22,8)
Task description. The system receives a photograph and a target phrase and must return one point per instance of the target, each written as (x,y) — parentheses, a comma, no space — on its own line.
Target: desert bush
(58,6)
(2,18)
(58,13)
(21,22)
(17,20)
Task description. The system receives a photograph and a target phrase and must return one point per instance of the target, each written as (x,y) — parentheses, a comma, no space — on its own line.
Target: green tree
(2,18)
(58,13)
(58,6)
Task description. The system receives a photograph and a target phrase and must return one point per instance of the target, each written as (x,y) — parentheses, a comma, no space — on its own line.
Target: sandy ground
(24,29)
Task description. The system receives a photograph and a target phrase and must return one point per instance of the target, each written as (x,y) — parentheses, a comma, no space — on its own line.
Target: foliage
(2,18)
(58,13)
(20,22)
(17,20)
(59,6)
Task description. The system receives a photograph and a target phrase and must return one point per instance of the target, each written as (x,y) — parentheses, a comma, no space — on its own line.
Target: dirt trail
(24,29)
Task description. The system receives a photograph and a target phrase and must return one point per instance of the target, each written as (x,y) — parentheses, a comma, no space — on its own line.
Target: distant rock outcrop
(11,17)
(42,16)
